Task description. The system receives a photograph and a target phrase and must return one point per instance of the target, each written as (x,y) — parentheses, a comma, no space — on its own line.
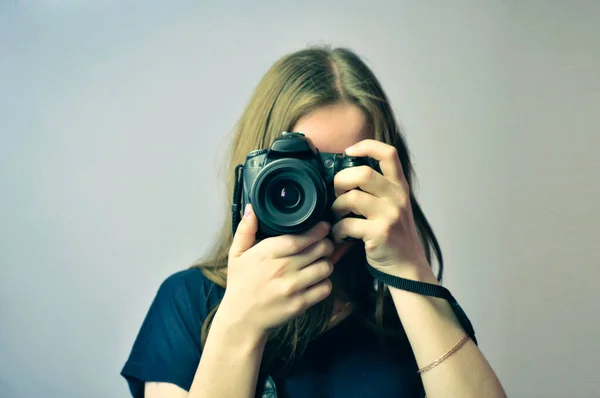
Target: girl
(307,315)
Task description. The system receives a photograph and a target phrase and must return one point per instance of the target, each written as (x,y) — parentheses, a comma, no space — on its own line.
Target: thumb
(245,235)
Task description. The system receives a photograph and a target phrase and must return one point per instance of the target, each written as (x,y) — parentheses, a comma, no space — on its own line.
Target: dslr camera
(290,185)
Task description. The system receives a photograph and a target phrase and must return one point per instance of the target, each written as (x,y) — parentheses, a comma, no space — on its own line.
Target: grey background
(114,116)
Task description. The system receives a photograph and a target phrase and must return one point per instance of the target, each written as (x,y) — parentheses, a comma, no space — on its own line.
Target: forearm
(432,330)
(230,362)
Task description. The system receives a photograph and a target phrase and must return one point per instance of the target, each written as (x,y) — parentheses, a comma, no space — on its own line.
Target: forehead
(333,128)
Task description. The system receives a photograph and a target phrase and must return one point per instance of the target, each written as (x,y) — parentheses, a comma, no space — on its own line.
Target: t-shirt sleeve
(167,347)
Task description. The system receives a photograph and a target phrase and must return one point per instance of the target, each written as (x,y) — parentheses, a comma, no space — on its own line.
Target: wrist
(236,330)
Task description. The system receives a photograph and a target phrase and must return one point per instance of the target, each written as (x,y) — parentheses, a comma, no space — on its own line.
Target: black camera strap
(237,198)
(426,289)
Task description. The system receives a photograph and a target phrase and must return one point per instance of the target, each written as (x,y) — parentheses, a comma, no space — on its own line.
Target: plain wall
(114,117)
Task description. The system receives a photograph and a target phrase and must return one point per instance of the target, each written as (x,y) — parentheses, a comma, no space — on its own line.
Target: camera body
(290,185)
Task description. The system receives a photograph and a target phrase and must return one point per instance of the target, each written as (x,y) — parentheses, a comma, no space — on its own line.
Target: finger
(288,245)
(319,249)
(362,177)
(387,155)
(357,202)
(312,274)
(245,235)
(351,227)
(311,296)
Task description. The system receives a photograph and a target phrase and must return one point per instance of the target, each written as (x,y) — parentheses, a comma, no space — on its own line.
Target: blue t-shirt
(347,361)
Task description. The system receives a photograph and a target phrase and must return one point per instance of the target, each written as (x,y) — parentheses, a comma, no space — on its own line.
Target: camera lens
(286,196)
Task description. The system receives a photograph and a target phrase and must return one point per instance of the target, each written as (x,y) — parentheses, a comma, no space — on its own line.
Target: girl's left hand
(388,230)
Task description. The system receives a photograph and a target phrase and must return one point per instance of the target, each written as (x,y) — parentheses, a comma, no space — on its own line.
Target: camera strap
(236,201)
(426,289)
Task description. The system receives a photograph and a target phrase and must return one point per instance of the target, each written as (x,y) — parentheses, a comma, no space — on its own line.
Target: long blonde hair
(294,86)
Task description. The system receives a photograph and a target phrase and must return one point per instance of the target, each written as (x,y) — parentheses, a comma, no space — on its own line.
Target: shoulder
(190,289)
(168,347)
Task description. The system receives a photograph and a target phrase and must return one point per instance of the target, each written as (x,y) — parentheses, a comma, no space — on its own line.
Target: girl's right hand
(277,279)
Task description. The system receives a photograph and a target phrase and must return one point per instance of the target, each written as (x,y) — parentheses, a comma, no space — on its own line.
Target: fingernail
(349,149)
(247,210)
